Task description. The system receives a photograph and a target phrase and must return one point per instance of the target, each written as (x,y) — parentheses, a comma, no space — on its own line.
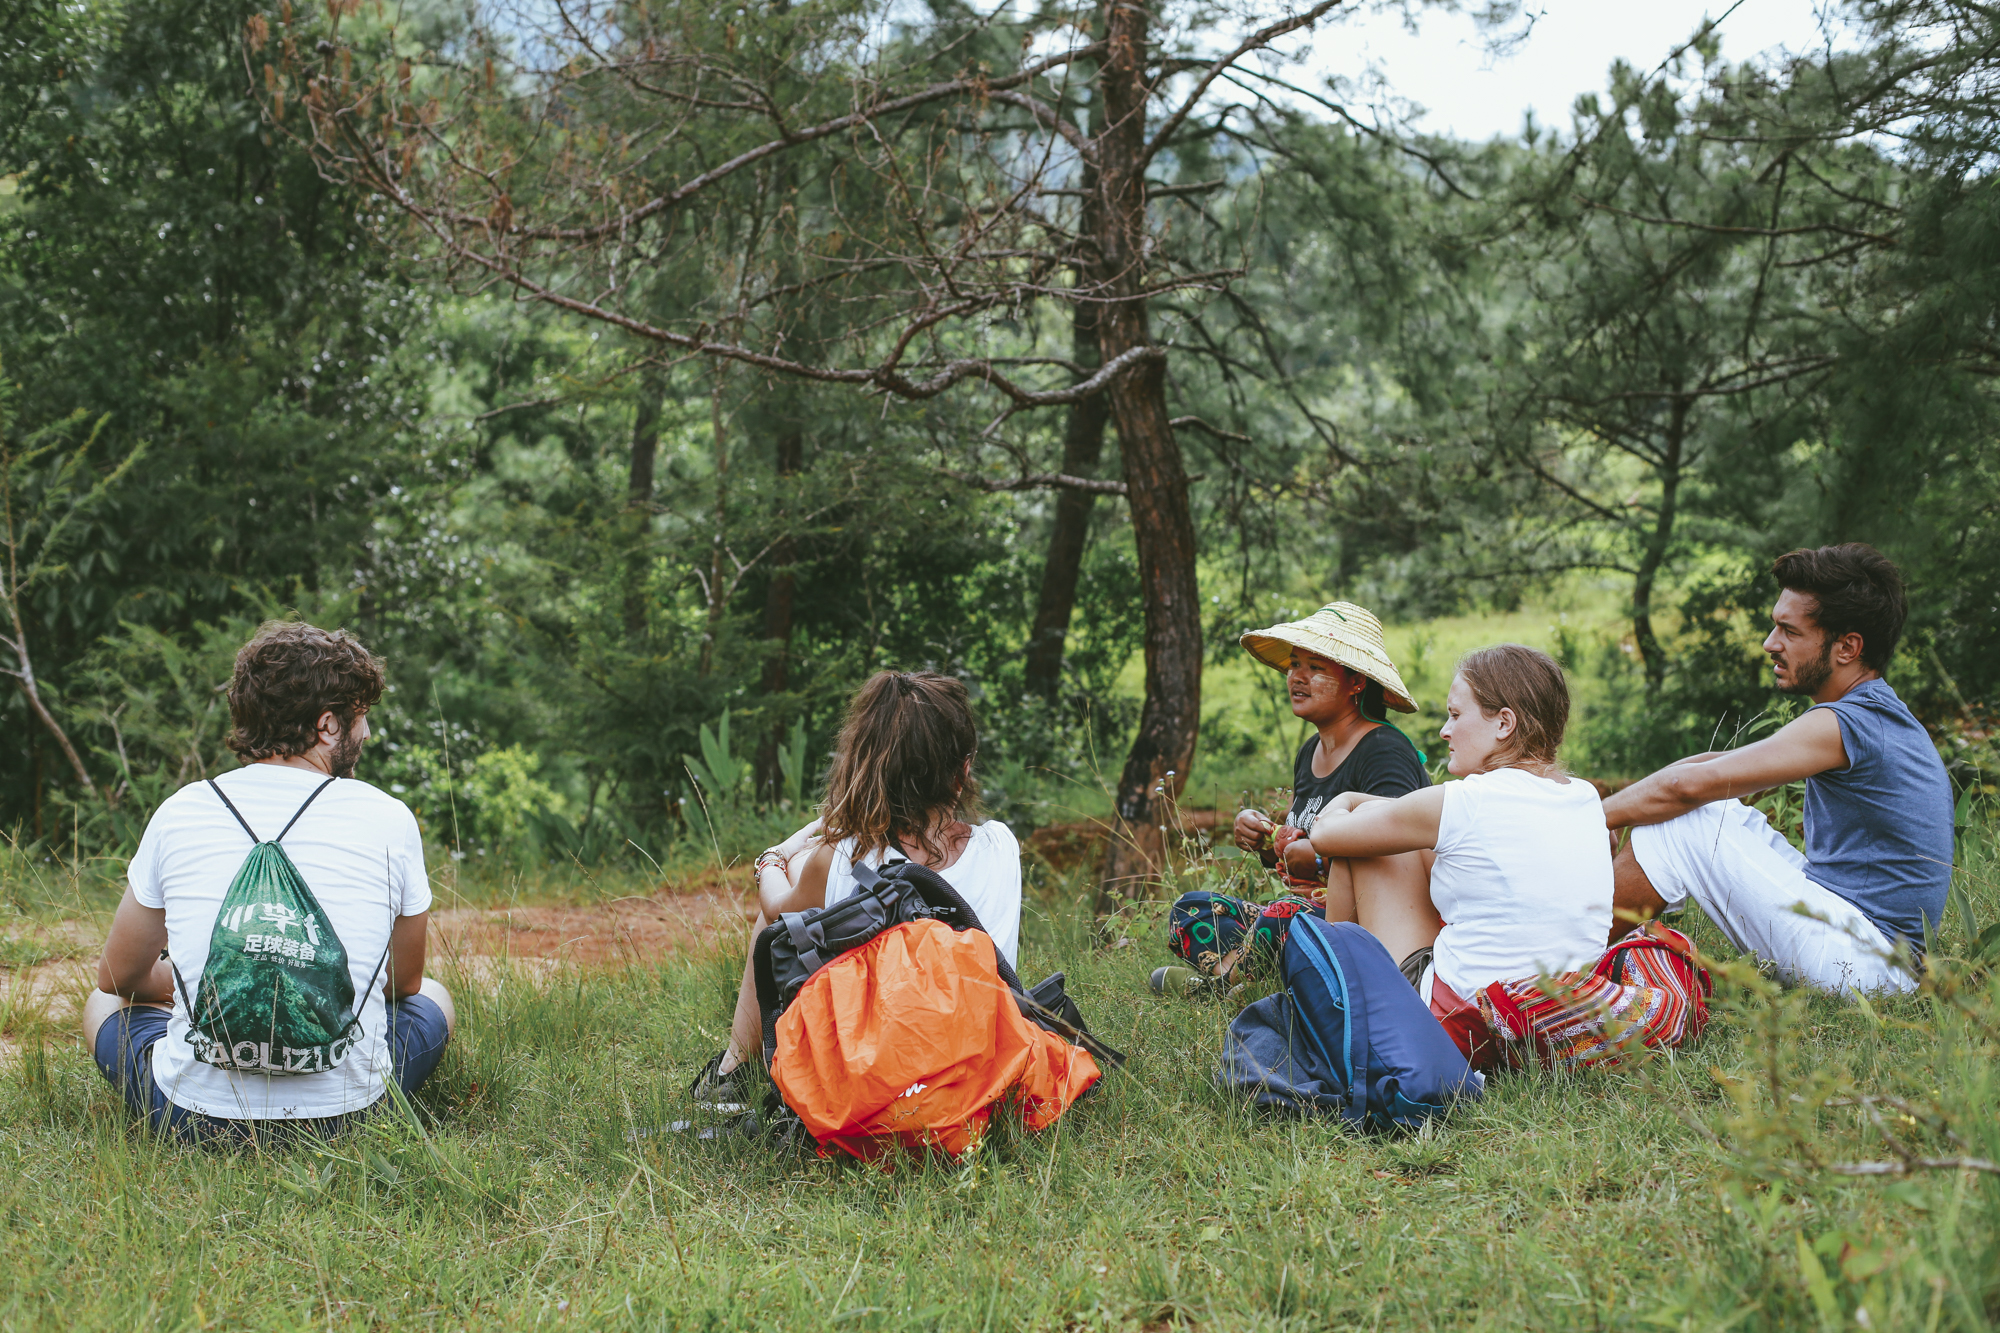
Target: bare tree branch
(1198,424)
(1261,38)
(1039,481)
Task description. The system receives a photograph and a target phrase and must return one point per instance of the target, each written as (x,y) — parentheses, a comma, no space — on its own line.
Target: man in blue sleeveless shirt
(1878,807)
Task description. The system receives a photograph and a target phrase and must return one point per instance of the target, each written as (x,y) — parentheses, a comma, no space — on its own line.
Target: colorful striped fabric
(1648,992)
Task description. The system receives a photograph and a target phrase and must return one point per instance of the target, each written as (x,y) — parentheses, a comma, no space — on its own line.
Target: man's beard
(346,754)
(1808,677)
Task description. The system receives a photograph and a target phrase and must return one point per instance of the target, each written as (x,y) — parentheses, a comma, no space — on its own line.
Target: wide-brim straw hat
(1343,632)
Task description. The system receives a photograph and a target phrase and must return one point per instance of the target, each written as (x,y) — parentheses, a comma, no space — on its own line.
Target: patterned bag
(1649,991)
(276,994)
(1204,928)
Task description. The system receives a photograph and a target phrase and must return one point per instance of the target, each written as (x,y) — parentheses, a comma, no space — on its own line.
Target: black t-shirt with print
(1382,763)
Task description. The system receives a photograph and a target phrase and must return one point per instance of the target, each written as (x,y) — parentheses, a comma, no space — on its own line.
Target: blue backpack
(1348,1036)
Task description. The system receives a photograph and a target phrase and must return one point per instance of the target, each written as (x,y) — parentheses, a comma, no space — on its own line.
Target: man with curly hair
(299,700)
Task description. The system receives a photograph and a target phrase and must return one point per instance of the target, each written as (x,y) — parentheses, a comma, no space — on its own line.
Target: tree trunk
(778,616)
(718,539)
(1653,556)
(1083,445)
(23,671)
(29,688)
(1157,485)
(639,500)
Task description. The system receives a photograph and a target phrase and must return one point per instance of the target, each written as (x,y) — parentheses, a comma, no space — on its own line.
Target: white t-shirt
(987,875)
(358,850)
(1522,879)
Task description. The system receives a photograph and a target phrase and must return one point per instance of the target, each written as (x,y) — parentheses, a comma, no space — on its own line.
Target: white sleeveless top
(987,875)
(1522,879)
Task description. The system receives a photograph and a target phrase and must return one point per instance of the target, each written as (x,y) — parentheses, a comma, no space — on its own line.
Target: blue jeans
(417,1037)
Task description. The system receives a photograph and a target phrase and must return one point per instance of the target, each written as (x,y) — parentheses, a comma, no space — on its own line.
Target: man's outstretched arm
(1809,745)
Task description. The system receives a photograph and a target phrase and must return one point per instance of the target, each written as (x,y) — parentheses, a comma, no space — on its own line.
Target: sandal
(720,1093)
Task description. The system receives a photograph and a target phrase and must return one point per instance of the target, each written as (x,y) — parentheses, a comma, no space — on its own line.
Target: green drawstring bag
(276,996)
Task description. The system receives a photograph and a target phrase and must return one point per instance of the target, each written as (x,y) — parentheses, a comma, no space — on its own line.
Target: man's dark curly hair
(286,677)
(1857,590)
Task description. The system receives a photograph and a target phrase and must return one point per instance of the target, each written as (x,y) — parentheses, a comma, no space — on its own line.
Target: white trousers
(1753,885)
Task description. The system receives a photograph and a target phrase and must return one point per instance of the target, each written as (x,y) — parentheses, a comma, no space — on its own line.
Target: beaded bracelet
(771,857)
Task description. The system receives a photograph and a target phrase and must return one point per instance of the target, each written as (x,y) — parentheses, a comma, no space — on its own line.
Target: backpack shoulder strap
(302,809)
(361,1004)
(865,875)
(238,813)
(1360,1080)
(938,892)
(803,941)
(181,982)
(288,825)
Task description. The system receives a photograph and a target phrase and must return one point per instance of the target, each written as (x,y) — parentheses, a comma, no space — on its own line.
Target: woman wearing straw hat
(1340,679)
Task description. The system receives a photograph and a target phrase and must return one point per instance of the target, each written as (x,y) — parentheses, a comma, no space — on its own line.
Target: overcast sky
(1474,93)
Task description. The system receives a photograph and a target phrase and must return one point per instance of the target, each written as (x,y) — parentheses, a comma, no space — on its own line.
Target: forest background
(374,314)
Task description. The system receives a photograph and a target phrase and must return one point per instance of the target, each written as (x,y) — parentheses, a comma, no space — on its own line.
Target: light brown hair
(903,757)
(286,677)
(1511,675)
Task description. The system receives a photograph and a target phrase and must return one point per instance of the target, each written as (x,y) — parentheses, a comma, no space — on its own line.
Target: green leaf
(1817,1284)
(722,766)
(792,761)
(1965,916)
(1858,1263)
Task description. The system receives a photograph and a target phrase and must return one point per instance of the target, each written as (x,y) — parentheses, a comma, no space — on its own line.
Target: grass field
(530,1190)
(1680,1194)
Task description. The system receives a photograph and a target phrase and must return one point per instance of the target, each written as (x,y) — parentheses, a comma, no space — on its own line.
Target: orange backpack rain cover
(910,1039)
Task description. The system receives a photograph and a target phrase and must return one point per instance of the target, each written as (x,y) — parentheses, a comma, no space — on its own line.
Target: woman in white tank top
(986,873)
(900,786)
(1517,877)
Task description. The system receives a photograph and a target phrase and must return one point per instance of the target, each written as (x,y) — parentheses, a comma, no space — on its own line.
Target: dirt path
(484,943)
(620,932)
(480,943)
